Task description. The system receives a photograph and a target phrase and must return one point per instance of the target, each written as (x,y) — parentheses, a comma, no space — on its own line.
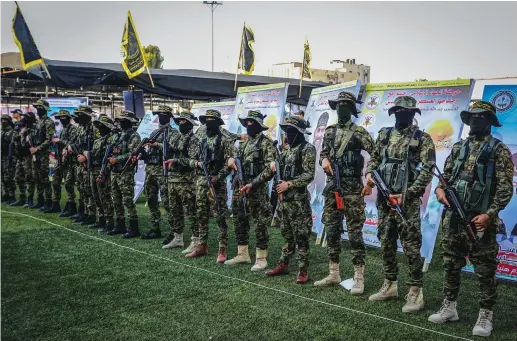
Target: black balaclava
(65,121)
(125,125)
(164,119)
(344,112)
(293,137)
(41,112)
(212,127)
(254,128)
(103,129)
(84,119)
(5,124)
(185,127)
(480,126)
(404,118)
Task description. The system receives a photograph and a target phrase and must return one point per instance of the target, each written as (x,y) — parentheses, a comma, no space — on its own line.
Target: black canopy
(177,84)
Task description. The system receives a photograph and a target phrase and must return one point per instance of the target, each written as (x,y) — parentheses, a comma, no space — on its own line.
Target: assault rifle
(140,147)
(240,180)
(203,151)
(164,150)
(336,186)
(385,192)
(104,164)
(276,198)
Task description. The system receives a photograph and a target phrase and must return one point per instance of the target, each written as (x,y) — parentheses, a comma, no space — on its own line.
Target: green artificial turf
(61,285)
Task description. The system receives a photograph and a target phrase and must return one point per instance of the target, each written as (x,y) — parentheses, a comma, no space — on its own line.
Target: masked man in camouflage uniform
(64,165)
(21,153)
(341,152)
(183,152)
(201,133)
(101,183)
(256,155)
(81,146)
(215,152)
(40,138)
(123,182)
(155,181)
(297,165)
(27,123)
(397,154)
(8,160)
(480,168)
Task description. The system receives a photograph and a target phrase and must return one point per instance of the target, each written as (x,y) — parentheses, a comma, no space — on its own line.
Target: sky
(401,41)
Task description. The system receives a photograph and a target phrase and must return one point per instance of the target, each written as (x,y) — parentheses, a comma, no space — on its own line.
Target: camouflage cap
(6,117)
(104,120)
(41,103)
(345,96)
(17,111)
(83,110)
(481,107)
(296,122)
(30,115)
(163,110)
(256,116)
(213,114)
(186,115)
(404,102)
(127,115)
(63,113)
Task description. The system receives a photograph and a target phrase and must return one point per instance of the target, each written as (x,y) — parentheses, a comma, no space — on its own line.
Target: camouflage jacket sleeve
(270,154)
(326,146)
(428,159)
(504,177)
(132,144)
(228,152)
(50,130)
(192,150)
(375,155)
(365,139)
(229,135)
(308,167)
(449,163)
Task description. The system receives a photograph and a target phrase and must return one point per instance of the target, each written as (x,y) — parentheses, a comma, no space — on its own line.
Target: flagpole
(150,78)
(303,67)
(46,70)
(240,54)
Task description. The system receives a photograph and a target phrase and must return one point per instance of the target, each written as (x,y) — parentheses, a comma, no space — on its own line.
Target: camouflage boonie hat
(17,111)
(104,120)
(41,103)
(30,115)
(186,115)
(405,102)
(163,110)
(83,110)
(211,113)
(127,115)
(296,122)
(63,113)
(256,116)
(481,107)
(9,119)
(346,97)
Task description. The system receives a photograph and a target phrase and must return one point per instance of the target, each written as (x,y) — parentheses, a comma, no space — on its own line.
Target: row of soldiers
(190,170)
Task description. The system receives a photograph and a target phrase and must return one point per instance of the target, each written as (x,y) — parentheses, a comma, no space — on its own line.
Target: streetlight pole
(213,5)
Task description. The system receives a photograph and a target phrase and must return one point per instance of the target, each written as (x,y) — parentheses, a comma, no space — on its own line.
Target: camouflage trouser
(40,174)
(8,185)
(122,193)
(101,194)
(182,204)
(19,178)
(455,247)
(205,204)
(259,209)
(85,190)
(390,229)
(155,182)
(296,230)
(61,173)
(29,176)
(333,220)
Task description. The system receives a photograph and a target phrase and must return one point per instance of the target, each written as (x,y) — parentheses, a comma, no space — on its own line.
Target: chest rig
(211,154)
(179,149)
(252,167)
(348,154)
(291,169)
(122,142)
(154,155)
(474,185)
(399,173)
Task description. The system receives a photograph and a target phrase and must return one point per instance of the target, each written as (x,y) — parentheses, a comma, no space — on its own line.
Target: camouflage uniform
(123,183)
(8,185)
(394,146)
(20,175)
(27,166)
(201,132)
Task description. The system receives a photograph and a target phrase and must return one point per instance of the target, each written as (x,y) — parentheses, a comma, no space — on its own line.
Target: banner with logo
(504,98)
(64,103)
(150,123)
(320,115)
(225,108)
(441,103)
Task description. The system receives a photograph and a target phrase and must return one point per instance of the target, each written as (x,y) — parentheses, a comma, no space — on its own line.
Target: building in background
(340,71)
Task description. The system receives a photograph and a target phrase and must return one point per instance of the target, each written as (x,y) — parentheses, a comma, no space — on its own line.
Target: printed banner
(504,97)
(225,108)
(441,103)
(65,103)
(320,115)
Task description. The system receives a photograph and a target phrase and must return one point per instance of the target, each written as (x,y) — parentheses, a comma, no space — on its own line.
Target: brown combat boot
(280,269)
(201,250)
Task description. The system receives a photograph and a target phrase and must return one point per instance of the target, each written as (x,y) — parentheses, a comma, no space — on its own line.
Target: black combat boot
(47,206)
(28,203)
(134,231)
(54,208)
(39,204)
(88,220)
(107,227)
(80,212)
(72,209)
(118,228)
(152,234)
(65,209)
(99,224)
(20,202)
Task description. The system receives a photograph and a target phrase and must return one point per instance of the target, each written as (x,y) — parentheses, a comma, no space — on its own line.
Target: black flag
(22,36)
(247,56)
(134,59)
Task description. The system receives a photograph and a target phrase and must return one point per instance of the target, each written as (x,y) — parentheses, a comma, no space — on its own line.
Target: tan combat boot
(177,241)
(194,242)
(388,291)
(414,300)
(483,325)
(332,279)
(260,261)
(358,287)
(242,256)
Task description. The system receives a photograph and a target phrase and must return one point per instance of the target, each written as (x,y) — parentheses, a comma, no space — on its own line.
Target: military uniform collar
(346,124)
(256,137)
(408,130)
(485,138)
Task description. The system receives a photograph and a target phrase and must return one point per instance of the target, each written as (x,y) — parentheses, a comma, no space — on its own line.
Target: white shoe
(483,325)
(388,290)
(177,241)
(194,242)
(261,261)
(446,313)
